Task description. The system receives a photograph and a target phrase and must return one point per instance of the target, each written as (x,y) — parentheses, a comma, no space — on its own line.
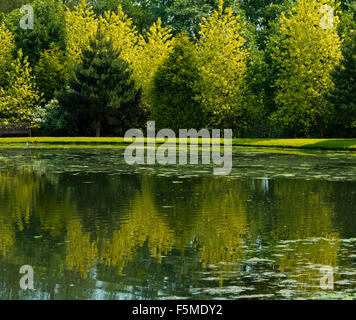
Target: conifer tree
(102,94)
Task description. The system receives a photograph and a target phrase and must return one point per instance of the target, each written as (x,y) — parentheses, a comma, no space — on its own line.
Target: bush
(52,120)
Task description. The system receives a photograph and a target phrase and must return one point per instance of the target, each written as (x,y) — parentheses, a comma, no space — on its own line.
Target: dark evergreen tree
(102,95)
(174,90)
(343,96)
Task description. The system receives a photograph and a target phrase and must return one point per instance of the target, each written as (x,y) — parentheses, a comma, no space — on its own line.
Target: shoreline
(314,144)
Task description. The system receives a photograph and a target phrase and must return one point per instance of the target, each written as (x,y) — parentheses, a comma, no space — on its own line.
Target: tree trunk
(98,128)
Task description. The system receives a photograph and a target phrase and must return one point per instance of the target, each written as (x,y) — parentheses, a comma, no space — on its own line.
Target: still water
(93,227)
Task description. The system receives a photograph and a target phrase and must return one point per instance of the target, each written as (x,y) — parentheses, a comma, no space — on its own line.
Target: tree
(262,14)
(7,6)
(347,18)
(51,72)
(120,29)
(305,53)
(81,26)
(140,12)
(49,27)
(177,15)
(19,97)
(223,69)
(148,56)
(343,96)
(175,89)
(101,93)
(7,46)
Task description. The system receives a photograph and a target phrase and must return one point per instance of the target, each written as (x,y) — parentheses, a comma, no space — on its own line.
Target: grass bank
(321,144)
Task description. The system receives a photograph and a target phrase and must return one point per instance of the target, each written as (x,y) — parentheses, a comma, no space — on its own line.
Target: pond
(93,227)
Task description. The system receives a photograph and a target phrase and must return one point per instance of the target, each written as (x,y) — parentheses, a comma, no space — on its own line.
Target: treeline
(263,68)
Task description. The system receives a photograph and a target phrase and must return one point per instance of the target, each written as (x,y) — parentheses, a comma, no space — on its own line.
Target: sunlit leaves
(148,56)
(20,95)
(7,45)
(81,27)
(305,56)
(222,65)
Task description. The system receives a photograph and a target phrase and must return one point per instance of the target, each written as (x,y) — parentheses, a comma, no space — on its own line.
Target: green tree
(262,14)
(49,27)
(51,72)
(7,6)
(347,18)
(177,15)
(343,96)
(307,50)
(102,93)
(139,11)
(174,89)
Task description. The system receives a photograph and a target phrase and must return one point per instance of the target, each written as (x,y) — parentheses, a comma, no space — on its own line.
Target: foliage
(347,19)
(80,28)
(51,72)
(20,95)
(149,55)
(175,89)
(49,27)
(343,96)
(7,6)
(101,94)
(7,46)
(264,66)
(118,27)
(305,55)
(140,12)
(52,120)
(263,14)
(223,69)
(82,24)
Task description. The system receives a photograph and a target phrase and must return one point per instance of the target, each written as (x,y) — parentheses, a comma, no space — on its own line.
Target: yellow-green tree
(308,50)
(20,95)
(7,45)
(81,26)
(150,52)
(222,58)
(119,28)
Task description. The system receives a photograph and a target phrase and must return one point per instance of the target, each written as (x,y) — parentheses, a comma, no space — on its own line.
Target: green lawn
(327,144)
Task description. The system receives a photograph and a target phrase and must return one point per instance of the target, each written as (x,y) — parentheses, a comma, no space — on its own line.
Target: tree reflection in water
(84,223)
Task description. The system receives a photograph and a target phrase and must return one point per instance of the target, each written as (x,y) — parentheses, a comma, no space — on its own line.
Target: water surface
(93,227)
